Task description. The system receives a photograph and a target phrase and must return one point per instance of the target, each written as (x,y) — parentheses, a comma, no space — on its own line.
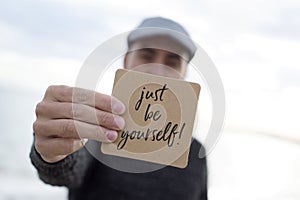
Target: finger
(84,113)
(68,128)
(53,147)
(83,96)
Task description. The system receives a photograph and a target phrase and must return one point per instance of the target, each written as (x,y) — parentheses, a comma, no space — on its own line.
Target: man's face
(156,61)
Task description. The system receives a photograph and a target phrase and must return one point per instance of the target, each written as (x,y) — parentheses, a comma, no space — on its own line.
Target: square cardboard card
(159,118)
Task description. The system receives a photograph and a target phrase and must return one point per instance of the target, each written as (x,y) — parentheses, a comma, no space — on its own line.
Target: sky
(254,44)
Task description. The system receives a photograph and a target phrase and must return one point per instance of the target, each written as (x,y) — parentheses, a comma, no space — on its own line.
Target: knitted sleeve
(68,172)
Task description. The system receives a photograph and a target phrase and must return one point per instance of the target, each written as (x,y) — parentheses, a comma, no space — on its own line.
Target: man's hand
(68,116)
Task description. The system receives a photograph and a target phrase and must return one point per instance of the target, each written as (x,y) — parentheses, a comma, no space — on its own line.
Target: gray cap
(158,26)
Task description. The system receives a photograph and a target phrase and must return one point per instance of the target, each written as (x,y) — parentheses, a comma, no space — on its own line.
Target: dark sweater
(89,179)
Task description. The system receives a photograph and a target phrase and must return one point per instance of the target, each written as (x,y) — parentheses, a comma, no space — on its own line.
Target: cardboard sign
(159,118)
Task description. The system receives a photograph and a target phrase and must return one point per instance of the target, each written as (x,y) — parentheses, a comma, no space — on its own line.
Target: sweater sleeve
(199,167)
(68,172)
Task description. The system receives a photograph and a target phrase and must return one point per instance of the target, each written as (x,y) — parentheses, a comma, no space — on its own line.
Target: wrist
(53,159)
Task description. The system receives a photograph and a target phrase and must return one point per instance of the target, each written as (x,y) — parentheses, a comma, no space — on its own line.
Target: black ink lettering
(132,135)
(139,102)
(162,92)
(140,134)
(153,134)
(150,94)
(168,134)
(149,114)
(183,125)
(173,132)
(124,136)
(156,115)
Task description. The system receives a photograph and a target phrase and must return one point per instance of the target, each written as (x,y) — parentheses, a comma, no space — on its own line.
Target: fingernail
(111,135)
(119,121)
(117,106)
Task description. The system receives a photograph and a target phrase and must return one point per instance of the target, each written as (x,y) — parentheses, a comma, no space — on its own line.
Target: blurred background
(254,44)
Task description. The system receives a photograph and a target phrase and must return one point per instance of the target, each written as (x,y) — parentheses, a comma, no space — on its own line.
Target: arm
(66,118)
(204,176)
(68,172)
(203,193)
(198,168)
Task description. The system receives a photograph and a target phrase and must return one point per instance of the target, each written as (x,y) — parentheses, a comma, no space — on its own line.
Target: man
(57,152)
